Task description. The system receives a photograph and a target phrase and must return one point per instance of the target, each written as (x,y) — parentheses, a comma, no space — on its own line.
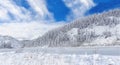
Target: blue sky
(104,5)
(39,16)
(60,10)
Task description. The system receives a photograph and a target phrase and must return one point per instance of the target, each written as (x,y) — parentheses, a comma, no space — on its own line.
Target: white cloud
(26,30)
(3,14)
(40,7)
(21,14)
(78,7)
(8,6)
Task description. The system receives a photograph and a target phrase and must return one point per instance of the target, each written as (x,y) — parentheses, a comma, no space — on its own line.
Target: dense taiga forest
(102,29)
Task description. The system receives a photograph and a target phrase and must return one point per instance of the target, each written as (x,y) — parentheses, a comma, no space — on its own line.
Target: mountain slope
(95,30)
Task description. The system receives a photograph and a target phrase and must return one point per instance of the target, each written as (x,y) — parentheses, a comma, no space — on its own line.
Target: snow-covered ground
(57,59)
(50,56)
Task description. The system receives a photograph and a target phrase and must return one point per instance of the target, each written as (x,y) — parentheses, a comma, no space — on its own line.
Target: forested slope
(101,29)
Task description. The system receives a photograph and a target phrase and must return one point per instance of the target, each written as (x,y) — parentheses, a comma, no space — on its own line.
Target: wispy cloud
(39,6)
(78,7)
(10,11)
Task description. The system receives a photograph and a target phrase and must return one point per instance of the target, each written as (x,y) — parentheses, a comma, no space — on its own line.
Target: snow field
(12,58)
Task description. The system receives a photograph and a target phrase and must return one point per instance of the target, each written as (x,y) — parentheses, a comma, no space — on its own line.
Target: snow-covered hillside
(9,42)
(95,30)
